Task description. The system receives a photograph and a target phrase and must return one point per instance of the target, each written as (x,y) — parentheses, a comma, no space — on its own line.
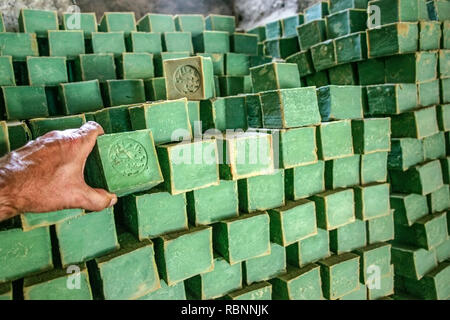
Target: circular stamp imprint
(186,79)
(128,157)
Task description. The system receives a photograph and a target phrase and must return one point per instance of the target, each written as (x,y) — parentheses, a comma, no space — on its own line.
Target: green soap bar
(411,68)
(24,253)
(423,10)
(304,181)
(412,262)
(85,21)
(342,173)
(257,291)
(158,60)
(304,62)
(223,113)
(41,126)
(265,267)
(281,47)
(428,93)
(86,237)
(193,23)
(405,153)
(288,108)
(182,255)
(345,22)
(298,284)
(446,34)
(422,179)
(374,256)
(343,75)
(433,286)
(189,166)
(430,231)
(194,116)
(48,71)
(118,21)
(18,134)
(174,292)
(443,251)
(244,43)
(397,10)
(430,35)
(352,47)
(37,21)
(32,221)
(25,102)
(371,135)
(148,215)
(138,171)
(338,5)
(358,295)
(439,200)
(248,87)
(178,41)
(212,42)
(114,119)
(297,146)
(438,10)
(254,112)
(380,229)
(311,33)
(334,208)
(389,99)
(242,238)
(18,45)
(274,75)
(261,192)
(273,30)
(445,169)
(408,208)
(121,92)
(144,42)
(415,124)
(340,275)
(260,59)
(6,287)
(324,55)
(189,77)
(309,250)
(219,22)
(95,66)
(385,289)
(108,42)
(136,66)
(434,146)
(218,61)
(155,89)
(372,201)
(68,44)
(154,116)
(7,77)
(334,140)
(216,283)
(443,116)
(289,25)
(236,64)
(293,222)
(373,167)
(340,102)
(153,22)
(79,97)
(128,273)
(244,154)
(59,284)
(371,71)
(259,31)
(394,38)
(317,11)
(225,199)
(231,85)
(444,63)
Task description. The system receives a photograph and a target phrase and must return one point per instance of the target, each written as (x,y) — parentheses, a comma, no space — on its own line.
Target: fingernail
(113,202)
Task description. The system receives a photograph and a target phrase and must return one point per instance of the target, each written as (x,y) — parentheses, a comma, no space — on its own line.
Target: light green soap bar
(385,290)
(434,146)
(174,292)
(371,135)
(88,22)
(418,124)
(7,77)
(304,181)
(132,65)
(374,256)
(32,221)
(340,102)
(19,45)
(68,44)
(41,126)
(25,102)
(108,42)
(118,21)
(372,201)
(257,291)
(408,208)
(275,75)
(80,97)
(443,251)
(265,267)
(334,139)
(374,167)
(390,99)
(405,153)
(47,70)
(412,262)
(439,200)
(343,172)
(155,89)
(153,22)
(37,21)
(357,295)
(349,237)
(380,229)
(309,250)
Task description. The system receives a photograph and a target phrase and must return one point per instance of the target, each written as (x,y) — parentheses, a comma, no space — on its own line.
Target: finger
(89,133)
(97,199)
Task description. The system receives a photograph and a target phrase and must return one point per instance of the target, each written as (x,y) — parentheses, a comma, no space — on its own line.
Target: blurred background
(249,13)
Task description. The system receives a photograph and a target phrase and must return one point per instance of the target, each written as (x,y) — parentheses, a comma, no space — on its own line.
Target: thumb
(94,199)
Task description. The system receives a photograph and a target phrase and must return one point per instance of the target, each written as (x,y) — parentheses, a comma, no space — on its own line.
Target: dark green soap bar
(224,113)
(372,201)
(445,89)
(244,43)
(311,33)
(193,23)
(121,92)
(7,77)
(32,221)
(37,21)
(212,42)
(259,31)
(18,45)
(351,48)
(159,58)
(405,153)
(412,262)
(373,167)
(371,71)
(254,112)
(216,283)
(275,75)
(304,181)
(79,97)
(309,250)
(298,284)
(340,102)
(99,66)
(236,64)
(397,10)
(41,126)
(415,124)
(434,146)
(349,237)
(182,255)
(380,229)
(231,85)
(18,133)
(445,169)
(165,292)
(153,22)
(342,173)
(155,89)
(6,287)
(334,139)
(265,267)
(87,22)
(375,255)
(118,21)
(429,231)
(428,93)
(135,66)
(24,253)
(412,68)
(438,10)
(59,284)
(177,42)
(68,44)
(324,55)
(48,71)
(344,75)
(289,25)
(281,47)
(25,102)
(395,38)
(257,291)
(317,11)
(114,119)
(86,237)
(108,42)
(151,214)
(345,22)
(338,5)
(219,22)
(371,135)
(430,35)
(304,62)
(334,208)
(439,200)
(243,238)
(390,99)
(408,208)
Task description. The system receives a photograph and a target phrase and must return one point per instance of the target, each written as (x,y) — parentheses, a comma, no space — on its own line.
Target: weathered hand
(47,174)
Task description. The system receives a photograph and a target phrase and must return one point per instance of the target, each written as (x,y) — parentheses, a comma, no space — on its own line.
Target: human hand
(47,174)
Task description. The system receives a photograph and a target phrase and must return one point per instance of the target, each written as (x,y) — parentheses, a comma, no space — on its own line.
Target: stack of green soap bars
(303,159)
